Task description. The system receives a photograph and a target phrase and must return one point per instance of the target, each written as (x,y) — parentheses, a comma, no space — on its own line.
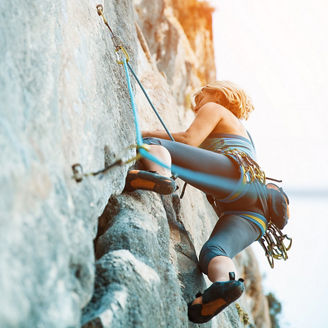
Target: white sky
(278,52)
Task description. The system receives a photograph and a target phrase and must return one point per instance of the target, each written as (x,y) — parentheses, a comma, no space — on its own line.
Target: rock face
(63,101)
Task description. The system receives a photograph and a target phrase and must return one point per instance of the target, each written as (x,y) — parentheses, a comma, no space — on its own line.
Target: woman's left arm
(207,118)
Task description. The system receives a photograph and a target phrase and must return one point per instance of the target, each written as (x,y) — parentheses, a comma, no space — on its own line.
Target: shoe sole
(137,179)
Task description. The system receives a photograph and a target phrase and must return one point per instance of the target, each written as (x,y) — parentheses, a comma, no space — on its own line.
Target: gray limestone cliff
(86,254)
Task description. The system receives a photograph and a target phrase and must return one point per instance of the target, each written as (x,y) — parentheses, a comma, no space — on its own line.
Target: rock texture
(64,100)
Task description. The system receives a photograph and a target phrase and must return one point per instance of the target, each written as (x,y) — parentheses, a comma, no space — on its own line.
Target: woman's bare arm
(207,118)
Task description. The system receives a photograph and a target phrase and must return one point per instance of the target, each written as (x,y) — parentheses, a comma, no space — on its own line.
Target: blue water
(301,283)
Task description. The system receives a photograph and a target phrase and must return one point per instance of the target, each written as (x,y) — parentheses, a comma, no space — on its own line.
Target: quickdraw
(273,244)
(116,41)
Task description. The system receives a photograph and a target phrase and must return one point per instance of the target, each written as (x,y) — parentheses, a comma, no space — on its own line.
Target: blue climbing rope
(133,104)
(150,102)
(195,177)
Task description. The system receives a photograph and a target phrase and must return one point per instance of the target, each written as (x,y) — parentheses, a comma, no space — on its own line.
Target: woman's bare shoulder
(229,123)
(212,107)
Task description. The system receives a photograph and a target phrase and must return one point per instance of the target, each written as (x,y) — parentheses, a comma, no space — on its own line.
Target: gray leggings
(232,233)
(200,160)
(230,236)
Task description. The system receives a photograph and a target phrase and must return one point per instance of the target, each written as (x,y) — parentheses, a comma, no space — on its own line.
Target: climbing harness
(274,242)
(252,170)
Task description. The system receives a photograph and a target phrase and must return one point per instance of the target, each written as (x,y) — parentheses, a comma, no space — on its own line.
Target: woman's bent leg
(230,236)
(200,160)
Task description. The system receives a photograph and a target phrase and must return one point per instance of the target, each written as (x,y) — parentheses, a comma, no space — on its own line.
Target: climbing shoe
(215,298)
(149,180)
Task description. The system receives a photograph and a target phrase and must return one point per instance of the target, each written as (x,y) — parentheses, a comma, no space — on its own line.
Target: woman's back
(229,124)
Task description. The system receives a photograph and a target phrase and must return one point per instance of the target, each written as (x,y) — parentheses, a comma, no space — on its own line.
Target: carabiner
(125,53)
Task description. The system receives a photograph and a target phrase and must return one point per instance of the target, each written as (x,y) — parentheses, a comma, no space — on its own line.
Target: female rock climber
(216,143)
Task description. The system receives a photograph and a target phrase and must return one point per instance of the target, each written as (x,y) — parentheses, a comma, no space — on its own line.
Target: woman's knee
(160,152)
(208,252)
(163,155)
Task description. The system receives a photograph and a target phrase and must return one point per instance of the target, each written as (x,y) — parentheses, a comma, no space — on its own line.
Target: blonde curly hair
(229,95)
